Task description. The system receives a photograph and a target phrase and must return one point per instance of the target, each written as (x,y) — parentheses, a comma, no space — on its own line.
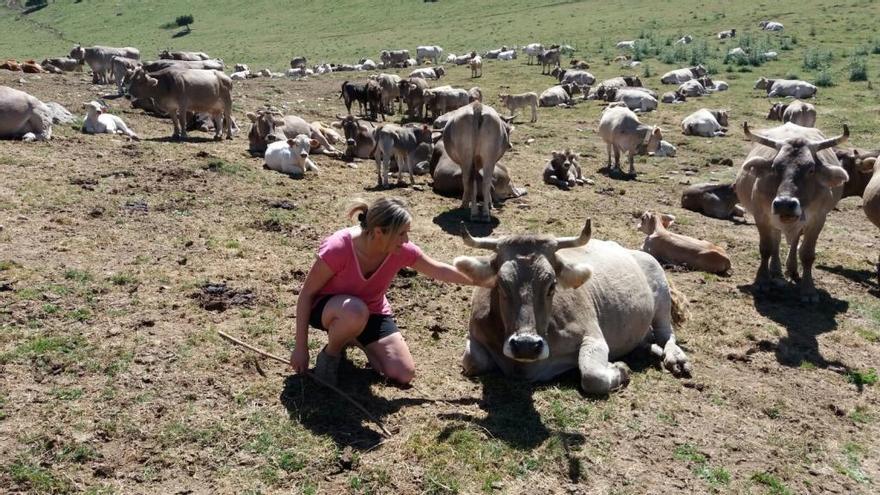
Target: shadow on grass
(181,34)
(323,412)
(450,221)
(35,8)
(189,139)
(804,322)
(867,278)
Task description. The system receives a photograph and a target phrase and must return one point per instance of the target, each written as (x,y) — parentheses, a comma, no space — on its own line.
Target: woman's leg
(392,356)
(344,317)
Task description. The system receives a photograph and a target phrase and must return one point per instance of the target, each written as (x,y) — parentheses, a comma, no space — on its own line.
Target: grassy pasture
(112,377)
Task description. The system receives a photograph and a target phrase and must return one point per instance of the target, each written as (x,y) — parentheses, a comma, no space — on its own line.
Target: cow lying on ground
(157,65)
(871,197)
(679,76)
(621,130)
(563,170)
(557,95)
(412,91)
(23,117)
(789,182)
(448,180)
(712,200)
(730,33)
(797,112)
(428,73)
(401,143)
(270,125)
(706,123)
(636,99)
(523,100)
(445,99)
(98,122)
(545,305)
(476,137)
(794,88)
(64,64)
(360,140)
(291,157)
(677,249)
(180,55)
(178,91)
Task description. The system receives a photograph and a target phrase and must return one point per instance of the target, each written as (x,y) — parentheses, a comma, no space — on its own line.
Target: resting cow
(98,122)
(789,182)
(712,200)
(291,157)
(270,125)
(798,112)
(562,170)
(546,305)
(706,123)
(677,249)
(23,117)
(448,180)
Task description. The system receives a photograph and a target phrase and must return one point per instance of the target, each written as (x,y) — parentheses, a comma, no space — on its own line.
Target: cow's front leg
(769,272)
(791,262)
(476,360)
(598,376)
(808,256)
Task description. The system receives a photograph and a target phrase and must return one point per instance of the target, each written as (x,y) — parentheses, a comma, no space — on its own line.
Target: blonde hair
(389,214)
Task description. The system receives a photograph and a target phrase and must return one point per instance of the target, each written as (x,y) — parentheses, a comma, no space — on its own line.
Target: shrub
(875,46)
(858,69)
(817,59)
(824,80)
(792,75)
(184,21)
(785,43)
(646,71)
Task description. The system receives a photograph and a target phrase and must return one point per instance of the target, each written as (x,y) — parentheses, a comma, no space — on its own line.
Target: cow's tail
(680,312)
(478,122)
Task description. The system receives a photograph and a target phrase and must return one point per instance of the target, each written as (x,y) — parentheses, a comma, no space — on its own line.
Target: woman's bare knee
(355,312)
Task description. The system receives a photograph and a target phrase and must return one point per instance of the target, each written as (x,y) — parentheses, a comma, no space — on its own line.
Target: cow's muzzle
(787,208)
(526,347)
(350,142)
(304,154)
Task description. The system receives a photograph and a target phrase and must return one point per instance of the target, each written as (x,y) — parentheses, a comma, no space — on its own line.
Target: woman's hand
(299,359)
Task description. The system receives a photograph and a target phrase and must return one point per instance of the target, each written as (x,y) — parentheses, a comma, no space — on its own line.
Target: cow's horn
(480,242)
(570,242)
(821,145)
(340,116)
(760,139)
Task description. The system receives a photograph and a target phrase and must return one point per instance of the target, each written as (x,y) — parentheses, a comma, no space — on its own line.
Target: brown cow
(678,249)
(789,182)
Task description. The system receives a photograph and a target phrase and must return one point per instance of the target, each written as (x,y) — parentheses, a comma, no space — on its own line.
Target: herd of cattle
(791,179)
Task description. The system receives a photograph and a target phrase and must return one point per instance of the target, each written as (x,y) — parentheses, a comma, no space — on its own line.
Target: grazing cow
(98,122)
(432,52)
(626,45)
(428,73)
(448,179)
(401,143)
(270,125)
(65,64)
(391,58)
(178,91)
(679,76)
(100,59)
(157,65)
(122,69)
(23,117)
(712,200)
(445,99)
(533,51)
(562,170)
(706,123)
(476,138)
(352,92)
(507,55)
(611,301)
(771,26)
(789,182)
(360,139)
(692,88)
(684,40)
(291,157)
(522,100)
(549,59)
(557,95)
(180,55)
(798,112)
(730,33)
(786,87)
(678,249)
(635,99)
(621,130)
(476,64)
(298,63)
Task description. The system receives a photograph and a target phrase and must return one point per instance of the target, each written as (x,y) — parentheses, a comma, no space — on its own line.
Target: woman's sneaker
(326,367)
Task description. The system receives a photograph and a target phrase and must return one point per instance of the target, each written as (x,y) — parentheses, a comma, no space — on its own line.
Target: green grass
(773,484)
(866,377)
(123,279)
(80,276)
(40,480)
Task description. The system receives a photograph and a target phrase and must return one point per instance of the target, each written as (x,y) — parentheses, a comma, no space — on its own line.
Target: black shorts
(378,326)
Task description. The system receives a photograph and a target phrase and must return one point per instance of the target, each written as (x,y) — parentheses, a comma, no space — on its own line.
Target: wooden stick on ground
(311,375)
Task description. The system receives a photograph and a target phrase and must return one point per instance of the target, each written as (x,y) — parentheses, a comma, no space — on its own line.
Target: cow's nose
(271,138)
(304,154)
(349,142)
(785,205)
(526,346)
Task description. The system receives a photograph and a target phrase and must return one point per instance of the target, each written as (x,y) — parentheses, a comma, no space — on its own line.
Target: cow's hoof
(229,137)
(218,138)
(676,362)
(623,376)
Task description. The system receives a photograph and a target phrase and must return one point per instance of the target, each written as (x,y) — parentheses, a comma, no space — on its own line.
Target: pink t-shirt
(337,251)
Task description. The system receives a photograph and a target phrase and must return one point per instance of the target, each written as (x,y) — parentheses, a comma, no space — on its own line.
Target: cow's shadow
(867,278)
(616,173)
(189,139)
(325,413)
(803,323)
(450,222)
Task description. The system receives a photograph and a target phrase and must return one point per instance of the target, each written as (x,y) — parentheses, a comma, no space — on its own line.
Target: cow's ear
(313,143)
(337,124)
(252,116)
(152,81)
(480,270)
(757,165)
(278,121)
(572,276)
(291,143)
(554,153)
(657,132)
(866,166)
(667,220)
(832,176)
